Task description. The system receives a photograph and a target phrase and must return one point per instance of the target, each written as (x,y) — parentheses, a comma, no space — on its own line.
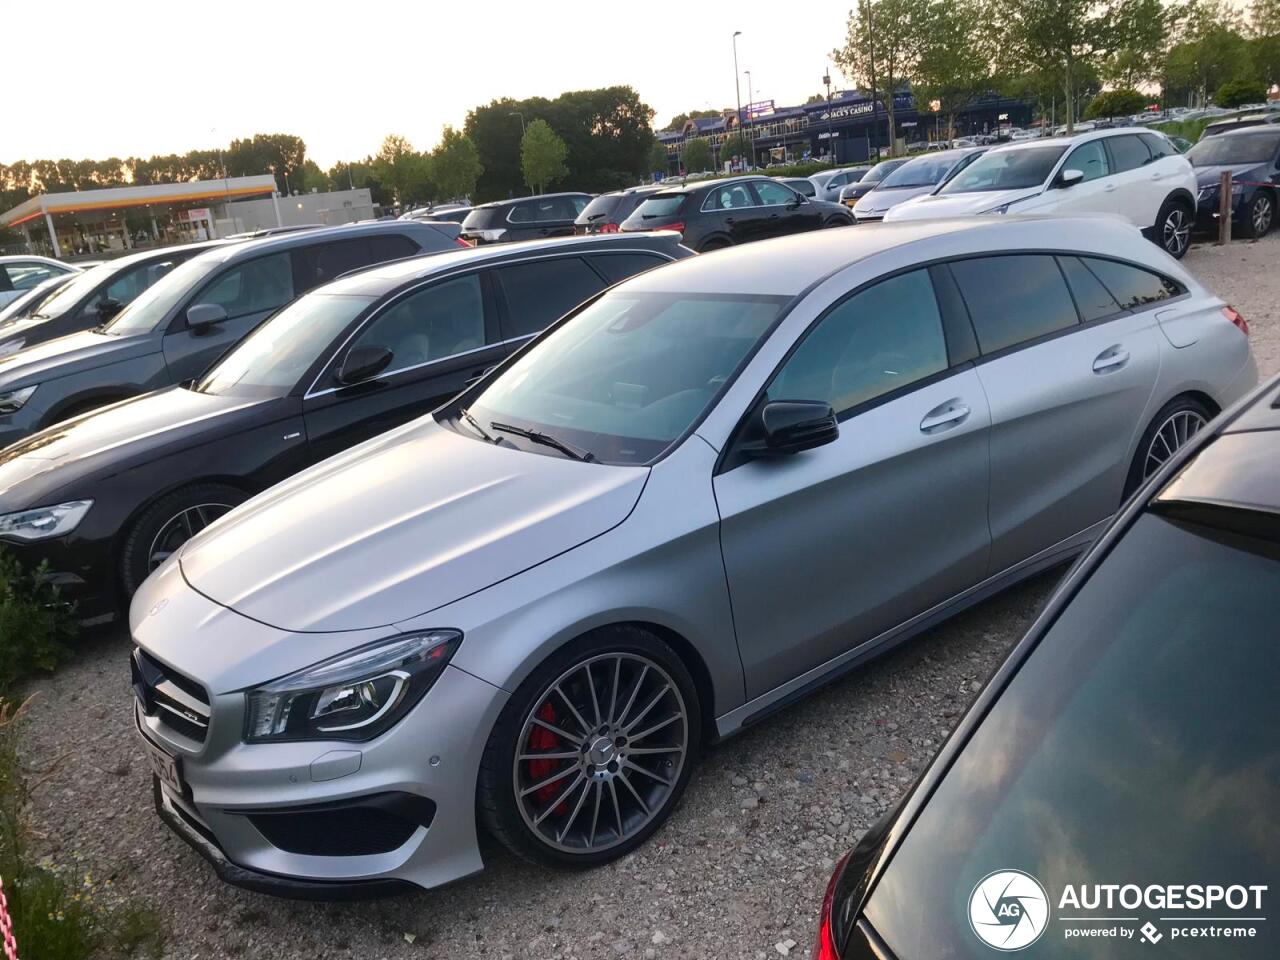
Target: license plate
(165,766)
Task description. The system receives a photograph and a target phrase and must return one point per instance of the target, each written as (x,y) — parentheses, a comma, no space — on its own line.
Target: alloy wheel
(1263,210)
(1172,434)
(600,753)
(1176,231)
(179,529)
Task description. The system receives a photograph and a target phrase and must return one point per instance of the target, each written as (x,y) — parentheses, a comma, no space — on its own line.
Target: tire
(161,528)
(714,244)
(1262,215)
(595,803)
(1173,228)
(1176,422)
(837,222)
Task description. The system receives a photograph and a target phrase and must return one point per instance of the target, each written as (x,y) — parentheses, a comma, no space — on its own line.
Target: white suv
(1135,173)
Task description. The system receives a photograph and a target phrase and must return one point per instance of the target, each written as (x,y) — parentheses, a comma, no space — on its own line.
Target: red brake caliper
(541,739)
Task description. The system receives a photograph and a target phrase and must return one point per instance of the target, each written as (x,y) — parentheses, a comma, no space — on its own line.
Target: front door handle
(1109,188)
(475,378)
(1112,358)
(949,414)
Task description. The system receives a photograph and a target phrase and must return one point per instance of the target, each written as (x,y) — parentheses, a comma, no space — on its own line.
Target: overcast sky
(137,77)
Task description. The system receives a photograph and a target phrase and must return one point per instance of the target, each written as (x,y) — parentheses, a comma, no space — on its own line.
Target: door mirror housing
(784,427)
(202,316)
(1069,178)
(108,308)
(364,363)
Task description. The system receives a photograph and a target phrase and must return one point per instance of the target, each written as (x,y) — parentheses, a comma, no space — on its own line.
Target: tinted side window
(1092,297)
(252,287)
(128,285)
(618,266)
(1129,153)
(391,246)
(774,194)
(520,213)
(888,336)
(730,197)
(1132,286)
(325,261)
(1159,146)
(437,322)
(1090,159)
(541,292)
(1014,299)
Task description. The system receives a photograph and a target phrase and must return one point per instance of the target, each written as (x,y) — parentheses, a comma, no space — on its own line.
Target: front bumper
(1206,221)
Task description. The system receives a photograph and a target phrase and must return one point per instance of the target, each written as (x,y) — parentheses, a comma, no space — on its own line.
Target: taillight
(609,228)
(1232,314)
(463,242)
(826,947)
(678,227)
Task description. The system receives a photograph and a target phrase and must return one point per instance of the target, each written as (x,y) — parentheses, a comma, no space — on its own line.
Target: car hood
(885,198)
(399,526)
(70,354)
(103,441)
(958,204)
(1210,176)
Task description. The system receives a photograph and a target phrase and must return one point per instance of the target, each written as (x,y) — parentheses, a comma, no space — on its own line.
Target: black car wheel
(592,752)
(169,523)
(1262,214)
(1173,228)
(715,243)
(838,222)
(1177,422)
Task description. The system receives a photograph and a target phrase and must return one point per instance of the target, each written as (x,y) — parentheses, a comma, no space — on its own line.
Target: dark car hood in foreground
(105,441)
(399,526)
(70,354)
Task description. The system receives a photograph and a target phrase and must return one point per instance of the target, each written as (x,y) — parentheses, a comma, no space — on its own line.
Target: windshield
(70,293)
(600,207)
(1249,148)
(662,205)
(631,373)
(920,172)
(153,304)
(271,360)
(1138,744)
(24,306)
(881,170)
(1018,169)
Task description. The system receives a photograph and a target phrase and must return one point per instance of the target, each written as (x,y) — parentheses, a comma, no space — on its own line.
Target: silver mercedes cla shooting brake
(702,494)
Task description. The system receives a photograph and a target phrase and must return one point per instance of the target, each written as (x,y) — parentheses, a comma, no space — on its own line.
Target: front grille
(176,701)
(346,828)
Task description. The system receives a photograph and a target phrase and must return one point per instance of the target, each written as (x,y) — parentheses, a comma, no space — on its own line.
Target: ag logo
(1008,910)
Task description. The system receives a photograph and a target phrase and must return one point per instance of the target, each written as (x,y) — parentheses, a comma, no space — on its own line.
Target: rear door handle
(1112,358)
(951,413)
(1110,187)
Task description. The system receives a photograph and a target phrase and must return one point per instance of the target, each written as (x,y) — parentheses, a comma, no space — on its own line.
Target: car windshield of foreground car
(1018,169)
(1138,744)
(153,304)
(628,375)
(70,293)
(1243,148)
(272,359)
(660,205)
(920,172)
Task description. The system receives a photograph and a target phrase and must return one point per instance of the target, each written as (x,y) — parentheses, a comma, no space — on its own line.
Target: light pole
(751,118)
(517,113)
(831,143)
(737,89)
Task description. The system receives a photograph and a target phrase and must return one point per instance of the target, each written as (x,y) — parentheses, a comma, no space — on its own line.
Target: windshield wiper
(466,415)
(537,436)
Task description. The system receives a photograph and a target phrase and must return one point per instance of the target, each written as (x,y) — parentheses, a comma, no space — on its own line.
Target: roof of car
(226,249)
(141,256)
(721,182)
(538,196)
(376,281)
(1065,141)
(1255,130)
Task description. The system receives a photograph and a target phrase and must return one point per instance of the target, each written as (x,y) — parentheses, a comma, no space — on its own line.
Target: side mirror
(108,308)
(204,315)
(1069,178)
(363,363)
(783,427)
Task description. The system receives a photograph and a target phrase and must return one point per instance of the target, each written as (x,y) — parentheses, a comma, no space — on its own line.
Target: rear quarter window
(1133,287)
(617,267)
(1013,299)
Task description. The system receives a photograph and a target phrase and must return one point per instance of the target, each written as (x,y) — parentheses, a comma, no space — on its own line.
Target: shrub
(1235,93)
(1121,102)
(35,622)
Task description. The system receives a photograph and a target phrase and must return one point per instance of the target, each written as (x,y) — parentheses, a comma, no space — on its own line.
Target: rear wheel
(838,222)
(1173,228)
(1262,215)
(713,244)
(592,752)
(1177,422)
(169,523)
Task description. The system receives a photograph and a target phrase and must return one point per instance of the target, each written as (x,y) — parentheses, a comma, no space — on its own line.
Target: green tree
(1138,43)
(659,160)
(696,156)
(736,144)
(455,165)
(542,156)
(1209,49)
(403,170)
(881,52)
(1120,102)
(956,56)
(1263,30)
(1236,93)
(280,154)
(311,178)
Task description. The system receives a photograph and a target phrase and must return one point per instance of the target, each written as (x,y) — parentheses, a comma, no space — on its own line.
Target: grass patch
(1187,129)
(36,623)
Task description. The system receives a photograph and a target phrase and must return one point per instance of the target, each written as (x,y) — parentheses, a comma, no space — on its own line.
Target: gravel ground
(738,872)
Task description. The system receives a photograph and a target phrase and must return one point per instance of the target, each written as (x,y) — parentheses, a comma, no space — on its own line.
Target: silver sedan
(703,494)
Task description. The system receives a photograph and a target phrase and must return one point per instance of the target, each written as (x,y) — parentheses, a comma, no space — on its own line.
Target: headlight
(12,401)
(42,523)
(354,696)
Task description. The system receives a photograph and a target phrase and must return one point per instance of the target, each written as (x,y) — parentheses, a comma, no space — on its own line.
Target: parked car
(96,295)
(1252,156)
(180,325)
(1238,122)
(259,232)
(528,218)
(920,176)
(22,272)
(29,302)
(721,213)
(829,183)
(343,363)
(619,562)
(801,185)
(452,215)
(1125,717)
(853,192)
(605,213)
(1136,174)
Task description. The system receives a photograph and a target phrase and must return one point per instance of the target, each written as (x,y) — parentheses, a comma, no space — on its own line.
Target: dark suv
(606,212)
(719,213)
(1252,156)
(179,326)
(527,218)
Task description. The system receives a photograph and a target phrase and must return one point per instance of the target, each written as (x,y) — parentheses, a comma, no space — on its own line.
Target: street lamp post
(737,88)
(831,143)
(751,118)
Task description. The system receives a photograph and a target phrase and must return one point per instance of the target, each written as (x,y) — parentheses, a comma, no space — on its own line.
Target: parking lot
(737,872)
